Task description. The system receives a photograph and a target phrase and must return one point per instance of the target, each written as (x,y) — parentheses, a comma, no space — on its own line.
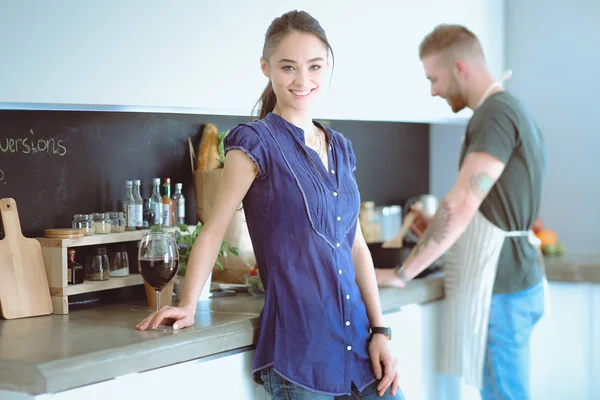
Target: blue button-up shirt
(302,219)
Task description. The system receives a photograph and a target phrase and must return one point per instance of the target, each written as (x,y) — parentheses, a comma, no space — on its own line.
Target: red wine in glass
(158,261)
(157,272)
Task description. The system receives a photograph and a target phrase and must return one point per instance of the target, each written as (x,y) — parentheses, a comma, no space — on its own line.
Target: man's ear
(461,68)
(264,66)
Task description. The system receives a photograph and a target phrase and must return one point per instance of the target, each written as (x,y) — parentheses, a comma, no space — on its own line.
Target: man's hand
(388,278)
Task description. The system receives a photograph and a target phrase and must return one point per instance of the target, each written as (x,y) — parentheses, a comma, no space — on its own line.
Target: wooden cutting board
(24,288)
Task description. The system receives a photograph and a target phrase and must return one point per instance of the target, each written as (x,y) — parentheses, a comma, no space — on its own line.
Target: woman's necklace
(320,145)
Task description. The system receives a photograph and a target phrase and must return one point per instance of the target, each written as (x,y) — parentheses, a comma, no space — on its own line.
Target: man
(494,281)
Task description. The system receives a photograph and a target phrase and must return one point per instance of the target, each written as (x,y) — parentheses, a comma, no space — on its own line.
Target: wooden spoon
(396,242)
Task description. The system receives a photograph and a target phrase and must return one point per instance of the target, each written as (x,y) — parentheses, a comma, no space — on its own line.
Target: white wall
(552,48)
(204,55)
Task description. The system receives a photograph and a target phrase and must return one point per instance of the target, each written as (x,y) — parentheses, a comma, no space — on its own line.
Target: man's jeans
(506,367)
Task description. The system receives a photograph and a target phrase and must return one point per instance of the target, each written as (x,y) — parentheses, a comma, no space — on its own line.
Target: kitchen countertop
(579,267)
(53,353)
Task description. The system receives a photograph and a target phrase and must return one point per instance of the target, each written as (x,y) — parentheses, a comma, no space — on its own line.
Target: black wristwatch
(385,331)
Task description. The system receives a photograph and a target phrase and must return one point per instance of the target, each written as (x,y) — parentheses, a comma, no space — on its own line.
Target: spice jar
(122,221)
(84,223)
(97,267)
(369,222)
(119,265)
(102,223)
(117,223)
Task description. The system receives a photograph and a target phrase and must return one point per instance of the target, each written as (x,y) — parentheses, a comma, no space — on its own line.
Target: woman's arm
(238,174)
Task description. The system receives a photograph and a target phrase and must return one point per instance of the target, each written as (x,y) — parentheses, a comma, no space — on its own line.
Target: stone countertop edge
(70,372)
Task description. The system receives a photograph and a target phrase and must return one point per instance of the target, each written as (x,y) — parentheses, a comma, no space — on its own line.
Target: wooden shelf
(130,236)
(56,260)
(113,283)
(96,239)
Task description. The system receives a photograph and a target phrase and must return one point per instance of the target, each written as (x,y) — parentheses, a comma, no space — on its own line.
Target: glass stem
(158,300)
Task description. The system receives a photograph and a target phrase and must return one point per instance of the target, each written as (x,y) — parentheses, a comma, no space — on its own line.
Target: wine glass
(158,261)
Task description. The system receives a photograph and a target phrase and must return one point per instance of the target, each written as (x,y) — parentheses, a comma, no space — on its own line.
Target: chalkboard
(59,163)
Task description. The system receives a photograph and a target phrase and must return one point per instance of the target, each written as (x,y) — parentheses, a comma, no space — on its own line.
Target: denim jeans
(506,367)
(281,389)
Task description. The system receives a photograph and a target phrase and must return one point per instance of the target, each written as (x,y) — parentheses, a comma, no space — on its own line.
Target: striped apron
(469,276)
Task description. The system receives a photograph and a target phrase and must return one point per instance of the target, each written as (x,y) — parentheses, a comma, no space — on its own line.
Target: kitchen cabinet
(565,350)
(595,338)
(203,57)
(225,377)
(416,338)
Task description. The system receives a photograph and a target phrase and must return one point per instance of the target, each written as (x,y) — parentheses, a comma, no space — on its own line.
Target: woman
(295,178)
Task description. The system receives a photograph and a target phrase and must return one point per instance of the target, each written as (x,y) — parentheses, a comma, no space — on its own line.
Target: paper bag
(206,184)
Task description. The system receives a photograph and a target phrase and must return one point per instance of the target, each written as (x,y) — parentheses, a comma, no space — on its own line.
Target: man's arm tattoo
(438,227)
(481,184)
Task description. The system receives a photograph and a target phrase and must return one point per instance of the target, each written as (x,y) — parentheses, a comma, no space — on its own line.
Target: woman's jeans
(281,389)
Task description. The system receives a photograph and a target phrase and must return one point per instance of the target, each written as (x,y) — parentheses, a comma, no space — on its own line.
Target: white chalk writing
(29,145)
(2,181)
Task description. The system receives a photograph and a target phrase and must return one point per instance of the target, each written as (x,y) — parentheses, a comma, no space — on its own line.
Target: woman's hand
(381,354)
(181,317)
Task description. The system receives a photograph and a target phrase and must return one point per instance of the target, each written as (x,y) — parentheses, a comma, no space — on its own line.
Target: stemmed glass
(158,261)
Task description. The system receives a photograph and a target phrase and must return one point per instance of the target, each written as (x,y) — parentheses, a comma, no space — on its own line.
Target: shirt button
(333,171)
(335,194)
(339,218)
(347,297)
(337,245)
(339,271)
(347,323)
(349,348)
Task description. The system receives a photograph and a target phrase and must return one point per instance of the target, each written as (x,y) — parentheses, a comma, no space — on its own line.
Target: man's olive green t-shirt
(503,128)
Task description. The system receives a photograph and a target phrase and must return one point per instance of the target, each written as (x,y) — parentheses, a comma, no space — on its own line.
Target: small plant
(221,146)
(185,240)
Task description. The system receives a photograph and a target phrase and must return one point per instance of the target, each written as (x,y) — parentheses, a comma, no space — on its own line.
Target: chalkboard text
(32,145)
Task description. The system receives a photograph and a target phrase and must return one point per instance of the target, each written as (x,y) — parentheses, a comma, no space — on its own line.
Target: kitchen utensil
(397,241)
(429,205)
(24,290)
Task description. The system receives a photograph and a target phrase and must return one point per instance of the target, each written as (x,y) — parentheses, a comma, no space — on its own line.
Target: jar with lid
(84,223)
(97,267)
(117,225)
(102,223)
(369,222)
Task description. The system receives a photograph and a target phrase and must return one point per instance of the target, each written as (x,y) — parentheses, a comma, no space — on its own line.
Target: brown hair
(451,39)
(299,21)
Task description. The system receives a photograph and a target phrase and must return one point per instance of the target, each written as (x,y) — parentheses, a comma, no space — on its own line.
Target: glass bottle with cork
(139,204)
(129,207)
(156,202)
(75,272)
(168,205)
(179,201)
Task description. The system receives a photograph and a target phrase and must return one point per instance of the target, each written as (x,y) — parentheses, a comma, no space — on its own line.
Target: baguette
(209,136)
(214,161)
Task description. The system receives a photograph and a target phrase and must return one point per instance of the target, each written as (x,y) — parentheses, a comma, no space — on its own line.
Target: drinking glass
(158,261)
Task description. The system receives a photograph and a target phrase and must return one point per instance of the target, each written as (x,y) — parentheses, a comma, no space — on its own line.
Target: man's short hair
(453,40)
